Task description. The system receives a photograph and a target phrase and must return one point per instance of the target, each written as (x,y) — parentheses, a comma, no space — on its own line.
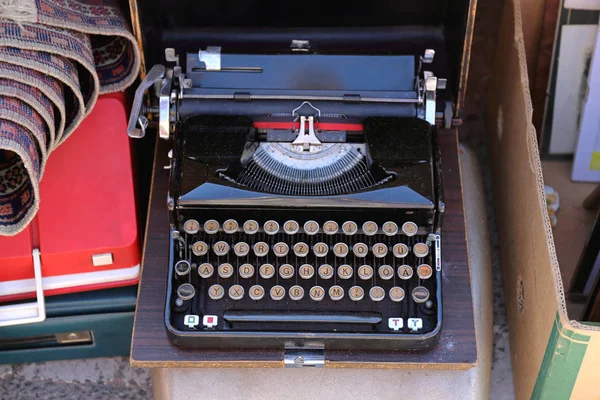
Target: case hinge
(297,357)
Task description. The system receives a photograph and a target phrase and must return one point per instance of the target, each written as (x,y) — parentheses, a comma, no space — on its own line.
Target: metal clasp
(298,357)
(211,57)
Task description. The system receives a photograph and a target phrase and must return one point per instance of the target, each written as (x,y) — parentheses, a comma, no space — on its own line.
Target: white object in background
(582,4)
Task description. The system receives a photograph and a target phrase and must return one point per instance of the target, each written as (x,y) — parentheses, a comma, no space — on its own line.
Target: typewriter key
(345,271)
(216,292)
(421,250)
(405,272)
(420,294)
(321,249)
(271,227)
(286,271)
(356,293)
(291,227)
(200,248)
(296,293)
(306,271)
(277,292)
(211,227)
(182,268)
(261,249)
(241,249)
(221,248)
(256,292)
(246,271)
(390,228)
(350,228)
(365,272)
(236,292)
(281,249)
(317,293)
(386,272)
(424,271)
(230,226)
(377,293)
(301,249)
(380,250)
(311,227)
(186,291)
(266,271)
(400,250)
(340,250)
(396,294)
(370,228)
(360,249)
(206,270)
(325,271)
(250,227)
(336,293)
(225,270)
(191,226)
(330,227)
(410,228)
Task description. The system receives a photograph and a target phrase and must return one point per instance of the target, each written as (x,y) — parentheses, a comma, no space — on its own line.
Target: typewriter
(305,197)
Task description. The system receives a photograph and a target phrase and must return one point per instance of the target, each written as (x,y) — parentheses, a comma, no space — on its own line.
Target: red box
(87,214)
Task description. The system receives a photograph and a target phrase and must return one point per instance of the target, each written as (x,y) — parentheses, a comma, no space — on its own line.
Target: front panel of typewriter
(305,198)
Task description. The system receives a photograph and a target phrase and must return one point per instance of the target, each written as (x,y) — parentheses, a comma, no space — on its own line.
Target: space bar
(303,317)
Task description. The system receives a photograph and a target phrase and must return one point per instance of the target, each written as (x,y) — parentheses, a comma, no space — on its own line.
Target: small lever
(154,75)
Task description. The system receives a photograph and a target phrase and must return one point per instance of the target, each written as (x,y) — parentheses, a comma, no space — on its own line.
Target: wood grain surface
(456,349)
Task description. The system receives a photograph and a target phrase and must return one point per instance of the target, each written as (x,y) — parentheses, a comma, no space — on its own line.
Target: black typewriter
(305,197)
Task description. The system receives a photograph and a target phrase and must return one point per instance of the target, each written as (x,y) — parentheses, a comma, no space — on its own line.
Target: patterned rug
(56,57)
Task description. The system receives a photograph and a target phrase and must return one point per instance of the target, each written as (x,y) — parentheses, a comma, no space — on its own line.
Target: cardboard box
(553,357)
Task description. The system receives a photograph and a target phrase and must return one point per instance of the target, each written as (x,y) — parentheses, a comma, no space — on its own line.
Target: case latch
(298,357)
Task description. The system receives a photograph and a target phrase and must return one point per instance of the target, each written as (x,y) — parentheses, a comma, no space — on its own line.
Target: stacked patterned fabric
(56,57)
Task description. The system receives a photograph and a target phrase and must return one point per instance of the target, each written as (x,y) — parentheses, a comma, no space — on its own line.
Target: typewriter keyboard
(305,276)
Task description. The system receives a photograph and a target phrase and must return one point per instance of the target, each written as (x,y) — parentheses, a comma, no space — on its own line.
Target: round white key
(230,226)
(211,227)
(424,271)
(330,227)
(365,272)
(261,249)
(336,293)
(250,227)
(400,250)
(349,228)
(306,271)
(266,271)
(256,292)
(206,270)
(377,293)
(320,249)
(345,271)
(246,271)
(421,250)
(405,272)
(410,228)
(200,248)
(191,226)
(386,272)
(311,227)
(241,249)
(420,294)
(291,227)
(236,292)
(221,248)
(186,291)
(271,227)
(296,292)
(356,293)
(396,294)
(182,267)
(286,271)
(380,250)
(390,228)
(340,249)
(301,249)
(325,271)
(216,292)
(281,249)
(277,292)
(360,249)
(316,293)
(370,228)
(225,270)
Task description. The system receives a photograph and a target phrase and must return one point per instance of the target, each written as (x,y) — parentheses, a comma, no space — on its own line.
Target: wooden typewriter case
(377,27)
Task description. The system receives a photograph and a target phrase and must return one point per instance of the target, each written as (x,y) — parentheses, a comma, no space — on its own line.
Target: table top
(456,349)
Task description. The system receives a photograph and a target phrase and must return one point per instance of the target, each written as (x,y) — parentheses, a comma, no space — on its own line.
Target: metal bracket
(211,57)
(299,357)
(138,109)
